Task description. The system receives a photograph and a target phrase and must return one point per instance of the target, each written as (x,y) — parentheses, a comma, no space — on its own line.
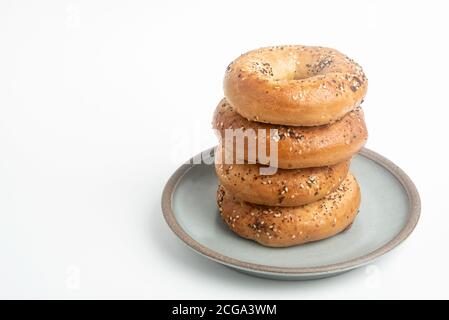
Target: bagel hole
(299,76)
(299,73)
(291,75)
(290,71)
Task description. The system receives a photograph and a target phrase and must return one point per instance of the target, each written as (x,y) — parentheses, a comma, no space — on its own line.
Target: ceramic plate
(388,194)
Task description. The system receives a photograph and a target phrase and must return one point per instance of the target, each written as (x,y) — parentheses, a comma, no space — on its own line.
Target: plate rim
(398,173)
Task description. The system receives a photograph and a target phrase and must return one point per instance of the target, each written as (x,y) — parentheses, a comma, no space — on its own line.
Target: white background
(100,101)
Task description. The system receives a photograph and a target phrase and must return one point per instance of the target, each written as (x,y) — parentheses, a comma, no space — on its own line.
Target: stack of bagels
(310,98)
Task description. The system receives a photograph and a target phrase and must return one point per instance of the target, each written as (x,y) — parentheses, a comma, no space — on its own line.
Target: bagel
(294,85)
(288,226)
(284,188)
(299,147)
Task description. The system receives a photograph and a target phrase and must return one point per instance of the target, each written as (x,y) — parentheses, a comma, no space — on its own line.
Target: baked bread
(293,187)
(298,147)
(294,85)
(288,226)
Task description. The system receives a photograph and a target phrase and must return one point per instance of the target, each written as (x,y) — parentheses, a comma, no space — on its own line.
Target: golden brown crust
(301,147)
(288,226)
(284,188)
(294,85)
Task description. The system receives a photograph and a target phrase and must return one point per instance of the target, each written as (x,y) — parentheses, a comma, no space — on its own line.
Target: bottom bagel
(289,226)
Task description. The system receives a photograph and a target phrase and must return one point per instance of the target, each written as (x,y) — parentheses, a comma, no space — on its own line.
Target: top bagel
(294,85)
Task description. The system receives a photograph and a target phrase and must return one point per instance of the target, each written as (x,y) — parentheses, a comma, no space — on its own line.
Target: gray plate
(389,212)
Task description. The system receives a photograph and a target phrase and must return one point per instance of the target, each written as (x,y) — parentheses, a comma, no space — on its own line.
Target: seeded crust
(294,85)
(300,147)
(293,187)
(289,226)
